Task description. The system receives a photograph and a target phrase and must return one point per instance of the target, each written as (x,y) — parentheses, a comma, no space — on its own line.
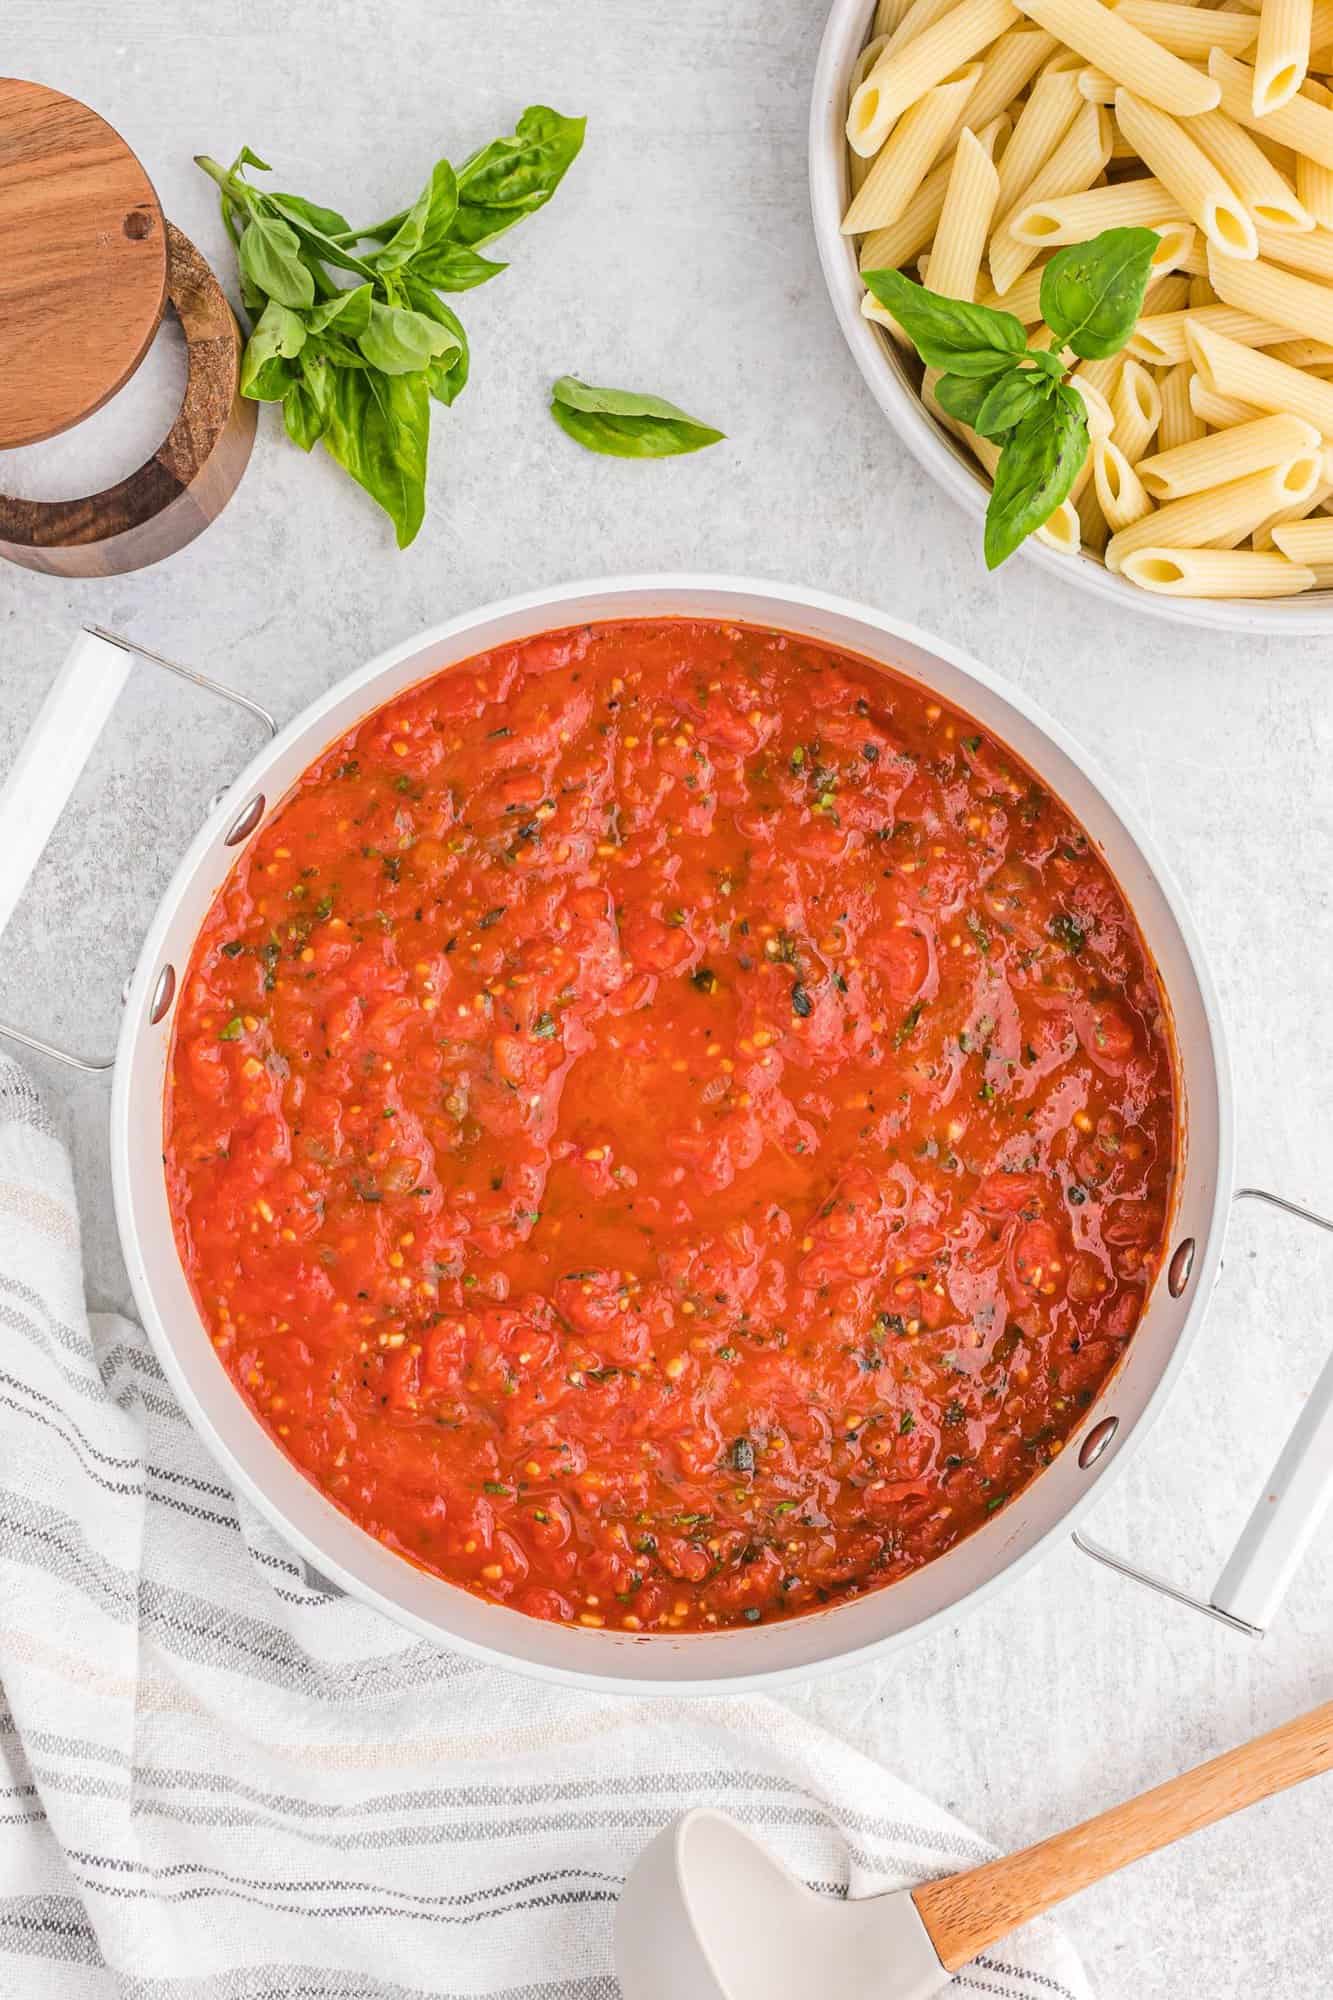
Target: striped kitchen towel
(220,1784)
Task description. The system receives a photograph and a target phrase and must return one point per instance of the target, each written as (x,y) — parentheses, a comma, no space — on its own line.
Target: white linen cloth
(217,1783)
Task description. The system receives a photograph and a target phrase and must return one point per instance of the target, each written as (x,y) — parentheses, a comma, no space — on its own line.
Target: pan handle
(50,763)
(1289,1509)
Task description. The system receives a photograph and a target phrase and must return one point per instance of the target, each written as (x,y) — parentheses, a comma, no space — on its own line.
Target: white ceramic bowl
(894,390)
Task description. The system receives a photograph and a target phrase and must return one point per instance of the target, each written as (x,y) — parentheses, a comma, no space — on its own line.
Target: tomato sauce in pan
(670,1126)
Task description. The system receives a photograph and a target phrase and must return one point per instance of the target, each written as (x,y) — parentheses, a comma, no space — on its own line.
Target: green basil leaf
(427,223)
(446,376)
(1009,399)
(1092,293)
(963,395)
(327,220)
(621,423)
(453,267)
(349,312)
(298,213)
(247,158)
(305,403)
(399,341)
(949,333)
(280,333)
(377,427)
(270,257)
(514,177)
(1048,360)
(1037,467)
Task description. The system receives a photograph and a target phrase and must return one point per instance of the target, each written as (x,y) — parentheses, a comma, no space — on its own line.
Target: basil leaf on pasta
(1036,469)
(1009,399)
(1092,293)
(949,333)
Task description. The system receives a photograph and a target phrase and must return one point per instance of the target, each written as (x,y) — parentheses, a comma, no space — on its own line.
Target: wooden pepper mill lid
(88,264)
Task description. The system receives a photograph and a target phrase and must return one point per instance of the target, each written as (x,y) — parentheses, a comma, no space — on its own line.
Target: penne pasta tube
(1283,54)
(1181,424)
(1075,218)
(873,310)
(1239,158)
(1190,32)
(1072,167)
(909,152)
(1314,184)
(1312,252)
(1234,508)
(1111,44)
(1219,412)
(1305,127)
(969,205)
(1298,304)
(1091,520)
(857,167)
(923,14)
(1306,541)
(1186,170)
(889,249)
(1007,68)
(1303,353)
(1217,573)
(888,13)
(1200,294)
(1227,455)
(1101,419)
(1023,299)
(1102,375)
(1175,244)
(1162,339)
(902,75)
(1038,130)
(1167,295)
(1262,537)
(1136,411)
(1321,32)
(1120,491)
(1096,86)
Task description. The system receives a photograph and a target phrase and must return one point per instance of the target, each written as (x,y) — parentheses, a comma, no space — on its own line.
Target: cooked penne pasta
(1283,54)
(1219,413)
(1190,31)
(1167,295)
(888,13)
(1136,411)
(1187,172)
(1227,455)
(1007,68)
(1161,339)
(1048,114)
(1297,303)
(1303,353)
(1096,86)
(1305,127)
(1101,375)
(1236,507)
(1200,293)
(901,75)
(1074,218)
(1120,491)
(1023,299)
(1314,184)
(1229,369)
(1072,167)
(1217,573)
(1262,537)
(1101,419)
(1131,58)
(1242,161)
(923,14)
(1175,245)
(909,153)
(1306,541)
(965,219)
(1091,520)
(889,249)
(1180,424)
(1312,252)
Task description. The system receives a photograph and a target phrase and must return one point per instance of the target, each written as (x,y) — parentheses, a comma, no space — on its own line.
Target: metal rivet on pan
(245,822)
(163,994)
(1178,1270)
(1095,1443)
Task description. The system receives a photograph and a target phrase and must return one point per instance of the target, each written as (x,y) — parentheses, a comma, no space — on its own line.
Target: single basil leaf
(621,423)
(1048,360)
(318,242)
(446,376)
(279,334)
(327,220)
(427,223)
(1009,400)
(1037,467)
(349,312)
(949,333)
(512,178)
(963,395)
(303,404)
(401,342)
(270,257)
(453,267)
(1092,293)
(377,427)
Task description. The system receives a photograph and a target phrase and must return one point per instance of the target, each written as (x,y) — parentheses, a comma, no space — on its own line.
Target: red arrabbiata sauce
(669,1125)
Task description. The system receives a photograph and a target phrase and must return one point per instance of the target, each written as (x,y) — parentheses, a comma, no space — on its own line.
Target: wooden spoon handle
(965,1913)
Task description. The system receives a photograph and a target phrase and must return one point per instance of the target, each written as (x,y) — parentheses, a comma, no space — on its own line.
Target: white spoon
(709,1914)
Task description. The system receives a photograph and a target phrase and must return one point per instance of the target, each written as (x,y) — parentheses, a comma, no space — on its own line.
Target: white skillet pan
(1252,1583)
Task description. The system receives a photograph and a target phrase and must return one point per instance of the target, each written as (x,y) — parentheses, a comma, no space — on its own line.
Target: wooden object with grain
(966,1913)
(83,262)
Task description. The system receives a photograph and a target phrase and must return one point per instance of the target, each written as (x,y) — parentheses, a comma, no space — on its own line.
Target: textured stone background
(679,257)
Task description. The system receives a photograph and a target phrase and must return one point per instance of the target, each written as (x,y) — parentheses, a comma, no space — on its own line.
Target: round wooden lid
(83,262)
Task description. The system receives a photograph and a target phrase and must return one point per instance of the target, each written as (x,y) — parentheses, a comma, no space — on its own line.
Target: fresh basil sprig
(355,363)
(621,423)
(1091,297)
